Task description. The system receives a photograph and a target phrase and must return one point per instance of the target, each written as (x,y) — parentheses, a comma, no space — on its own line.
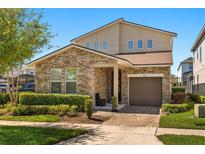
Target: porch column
(115,82)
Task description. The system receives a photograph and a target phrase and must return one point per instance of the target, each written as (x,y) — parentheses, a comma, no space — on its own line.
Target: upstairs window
(190,67)
(197,54)
(96,46)
(130,44)
(105,45)
(149,44)
(87,45)
(200,54)
(139,44)
(71,81)
(56,80)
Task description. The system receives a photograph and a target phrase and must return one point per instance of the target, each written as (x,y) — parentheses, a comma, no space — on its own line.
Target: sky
(71,23)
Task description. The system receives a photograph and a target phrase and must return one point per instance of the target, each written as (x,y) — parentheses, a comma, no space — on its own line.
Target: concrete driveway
(123,128)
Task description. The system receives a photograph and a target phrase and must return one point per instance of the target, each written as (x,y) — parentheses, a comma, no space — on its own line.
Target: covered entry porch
(107,83)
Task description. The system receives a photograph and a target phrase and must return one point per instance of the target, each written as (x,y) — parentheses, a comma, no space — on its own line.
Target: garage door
(144,91)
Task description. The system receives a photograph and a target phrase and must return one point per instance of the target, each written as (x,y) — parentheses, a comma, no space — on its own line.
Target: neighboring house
(26,75)
(198,50)
(175,80)
(185,71)
(122,59)
(26,70)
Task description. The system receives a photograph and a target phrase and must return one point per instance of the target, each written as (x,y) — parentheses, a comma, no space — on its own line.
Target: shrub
(53,99)
(114,103)
(175,108)
(63,109)
(196,98)
(179,98)
(30,110)
(4,98)
(89,108)
(202,99)
(178,89)
(44,109)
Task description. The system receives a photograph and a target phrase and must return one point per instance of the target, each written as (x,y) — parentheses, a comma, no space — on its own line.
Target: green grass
(184,120)
(33,118)
(20,135)
(182,139)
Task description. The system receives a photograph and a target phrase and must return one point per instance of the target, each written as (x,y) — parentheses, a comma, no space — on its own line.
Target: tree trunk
(13,95)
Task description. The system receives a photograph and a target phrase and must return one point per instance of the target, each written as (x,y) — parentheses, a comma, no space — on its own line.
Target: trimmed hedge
(4,98)
(44,109)
(178,89)
(178,108)
(197,98)
(53,99)
(174,108)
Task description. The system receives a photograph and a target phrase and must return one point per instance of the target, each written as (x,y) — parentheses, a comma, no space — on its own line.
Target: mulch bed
(82,118)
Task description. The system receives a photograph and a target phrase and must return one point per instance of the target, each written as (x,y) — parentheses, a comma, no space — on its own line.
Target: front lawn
(20,135)
(184,120)
(33,118)
(182,139)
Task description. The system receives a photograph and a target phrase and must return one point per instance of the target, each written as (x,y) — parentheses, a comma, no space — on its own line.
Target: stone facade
(166,85)
(92,79)
(89,78)
(103,82)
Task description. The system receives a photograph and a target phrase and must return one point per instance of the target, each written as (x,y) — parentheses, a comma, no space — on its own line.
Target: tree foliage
(22,35)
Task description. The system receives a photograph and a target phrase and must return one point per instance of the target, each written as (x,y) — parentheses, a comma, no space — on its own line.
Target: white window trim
(152,44)
(142,43)
(55,81)
(98,45)
(197,54)
(200,54)
(70,80)
(128,44)
(107,45)
(87,43)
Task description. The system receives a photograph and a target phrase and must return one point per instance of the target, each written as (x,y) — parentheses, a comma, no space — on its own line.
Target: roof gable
(75,46)
(121,20)
(199,38)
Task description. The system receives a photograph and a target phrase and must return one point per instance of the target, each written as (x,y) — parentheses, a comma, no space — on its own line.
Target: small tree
(114,104)
(22,35)
(89,107)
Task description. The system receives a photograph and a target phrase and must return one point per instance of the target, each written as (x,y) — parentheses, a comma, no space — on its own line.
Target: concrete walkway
(117,135)
(161,131)
(49,124)
(100,134)
(111,134)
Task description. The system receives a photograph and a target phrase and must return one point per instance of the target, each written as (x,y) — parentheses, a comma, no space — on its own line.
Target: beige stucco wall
(161,41)
(109,34)
(199,67)
(120,33)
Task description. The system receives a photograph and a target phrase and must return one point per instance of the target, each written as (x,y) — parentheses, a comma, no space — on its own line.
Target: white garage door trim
(146,75)
(141,75)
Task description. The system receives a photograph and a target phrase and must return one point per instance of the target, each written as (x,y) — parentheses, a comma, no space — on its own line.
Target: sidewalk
(176,131)
(48,124)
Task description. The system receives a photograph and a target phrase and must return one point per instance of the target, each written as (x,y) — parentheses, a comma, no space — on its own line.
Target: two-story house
(198,50)
(122,59)
(185,70)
